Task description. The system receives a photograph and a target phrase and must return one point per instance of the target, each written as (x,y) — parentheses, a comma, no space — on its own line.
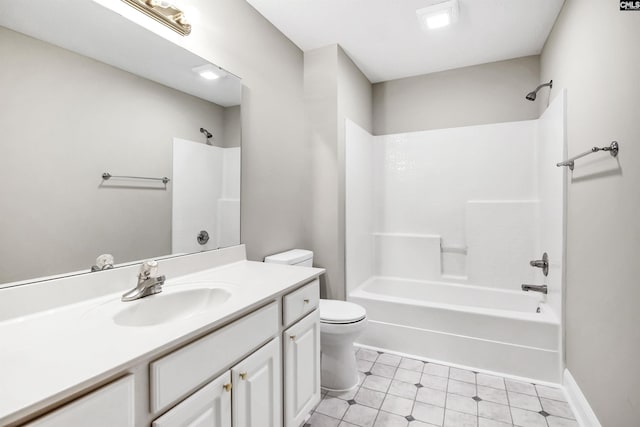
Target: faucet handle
(149,268)
(541,263)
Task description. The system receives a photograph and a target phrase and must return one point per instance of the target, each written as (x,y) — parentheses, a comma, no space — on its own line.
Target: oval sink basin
(168,306)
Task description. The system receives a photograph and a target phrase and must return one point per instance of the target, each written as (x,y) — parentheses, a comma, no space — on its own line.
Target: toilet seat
(340,312)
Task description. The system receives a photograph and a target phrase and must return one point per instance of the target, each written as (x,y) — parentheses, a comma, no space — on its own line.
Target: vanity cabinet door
(301,369)
(208,407)
(257,397)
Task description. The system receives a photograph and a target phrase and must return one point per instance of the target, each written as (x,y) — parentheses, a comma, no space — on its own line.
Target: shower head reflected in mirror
(207,134)
(531,96)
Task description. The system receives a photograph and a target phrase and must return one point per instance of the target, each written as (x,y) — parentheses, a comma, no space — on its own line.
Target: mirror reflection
(67,119)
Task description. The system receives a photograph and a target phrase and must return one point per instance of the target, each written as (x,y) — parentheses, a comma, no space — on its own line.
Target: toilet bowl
(340,324)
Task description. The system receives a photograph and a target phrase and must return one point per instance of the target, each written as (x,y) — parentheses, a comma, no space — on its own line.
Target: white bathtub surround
(445,223)
(430,197)
(206,196)
(228,226)
(406,392)
(552,185)
(501,239)
(359,205)
(414,256)
(58,340)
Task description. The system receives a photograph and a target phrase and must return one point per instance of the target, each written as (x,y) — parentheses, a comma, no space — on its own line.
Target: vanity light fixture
(209,72)
(165,12)
(438,15)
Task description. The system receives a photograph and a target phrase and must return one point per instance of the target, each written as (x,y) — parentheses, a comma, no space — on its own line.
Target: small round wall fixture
(203,237)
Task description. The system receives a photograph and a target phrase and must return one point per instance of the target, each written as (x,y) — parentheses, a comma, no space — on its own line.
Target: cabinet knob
(292,337)
(243,375)
(306,301)
(227,387)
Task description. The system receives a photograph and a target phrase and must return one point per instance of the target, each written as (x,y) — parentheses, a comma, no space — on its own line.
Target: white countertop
(52,354)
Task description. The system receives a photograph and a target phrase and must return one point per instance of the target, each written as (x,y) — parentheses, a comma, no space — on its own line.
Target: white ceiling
(385,40)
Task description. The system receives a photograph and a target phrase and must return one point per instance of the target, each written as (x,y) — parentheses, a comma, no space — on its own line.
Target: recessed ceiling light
(439,20)
(209,72)
(438,15)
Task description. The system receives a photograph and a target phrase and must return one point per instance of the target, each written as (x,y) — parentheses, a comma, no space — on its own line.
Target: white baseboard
(579,404)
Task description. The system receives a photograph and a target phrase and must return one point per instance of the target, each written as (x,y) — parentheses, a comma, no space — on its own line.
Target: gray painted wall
(481,94)
(65,120)
(335,89)
(593,52)
(321,104)
(355,102)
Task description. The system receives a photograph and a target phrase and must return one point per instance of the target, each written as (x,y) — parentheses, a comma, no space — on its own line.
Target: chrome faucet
(148,282)
(535,288)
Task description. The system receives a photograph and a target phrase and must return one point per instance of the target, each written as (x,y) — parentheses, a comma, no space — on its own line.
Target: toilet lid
(333,311)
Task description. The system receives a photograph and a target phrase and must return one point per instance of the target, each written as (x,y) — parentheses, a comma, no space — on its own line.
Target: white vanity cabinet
(253,385)
(301,369)
(257,388)
(181,372)
(243,373)
(301,350)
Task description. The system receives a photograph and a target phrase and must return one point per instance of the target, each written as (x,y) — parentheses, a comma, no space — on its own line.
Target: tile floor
(400,392)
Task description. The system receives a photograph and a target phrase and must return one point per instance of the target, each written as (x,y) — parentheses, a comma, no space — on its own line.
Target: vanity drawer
(111,405)
(182,371)
(300,302)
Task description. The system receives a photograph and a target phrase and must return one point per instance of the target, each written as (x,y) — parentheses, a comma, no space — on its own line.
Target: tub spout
(535,288)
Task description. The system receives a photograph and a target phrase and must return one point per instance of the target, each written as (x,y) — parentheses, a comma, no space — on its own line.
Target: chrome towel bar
(106,176)
(612,149)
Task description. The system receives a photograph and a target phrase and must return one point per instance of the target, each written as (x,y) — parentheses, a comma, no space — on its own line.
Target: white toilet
(340,324)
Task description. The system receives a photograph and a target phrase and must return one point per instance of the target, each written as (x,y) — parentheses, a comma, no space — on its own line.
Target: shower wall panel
(423,182)
(501,239)
(206,196)
(552,187)
(468,205)
(228,225)
(359,204)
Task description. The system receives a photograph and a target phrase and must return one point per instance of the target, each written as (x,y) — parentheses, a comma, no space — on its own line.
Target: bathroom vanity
(228,342)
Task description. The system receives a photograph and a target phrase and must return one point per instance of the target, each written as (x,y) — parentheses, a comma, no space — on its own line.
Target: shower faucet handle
(541,263)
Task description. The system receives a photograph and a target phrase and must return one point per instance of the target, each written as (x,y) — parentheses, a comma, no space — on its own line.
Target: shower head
(206,133)
(531,96)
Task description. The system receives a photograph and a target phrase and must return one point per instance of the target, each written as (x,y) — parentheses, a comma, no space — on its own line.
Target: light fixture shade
(438,15)
(165,12)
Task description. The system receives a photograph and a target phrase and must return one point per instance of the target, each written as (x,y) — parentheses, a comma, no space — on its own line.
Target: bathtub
(503,331)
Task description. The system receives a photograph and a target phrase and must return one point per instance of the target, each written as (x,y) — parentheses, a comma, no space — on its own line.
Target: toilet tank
(301,257)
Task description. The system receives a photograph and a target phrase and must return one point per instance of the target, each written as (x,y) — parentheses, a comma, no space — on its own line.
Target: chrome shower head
(531,96)
(206,133)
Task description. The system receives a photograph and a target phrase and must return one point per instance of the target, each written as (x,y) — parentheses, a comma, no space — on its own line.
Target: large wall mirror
(87,92)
